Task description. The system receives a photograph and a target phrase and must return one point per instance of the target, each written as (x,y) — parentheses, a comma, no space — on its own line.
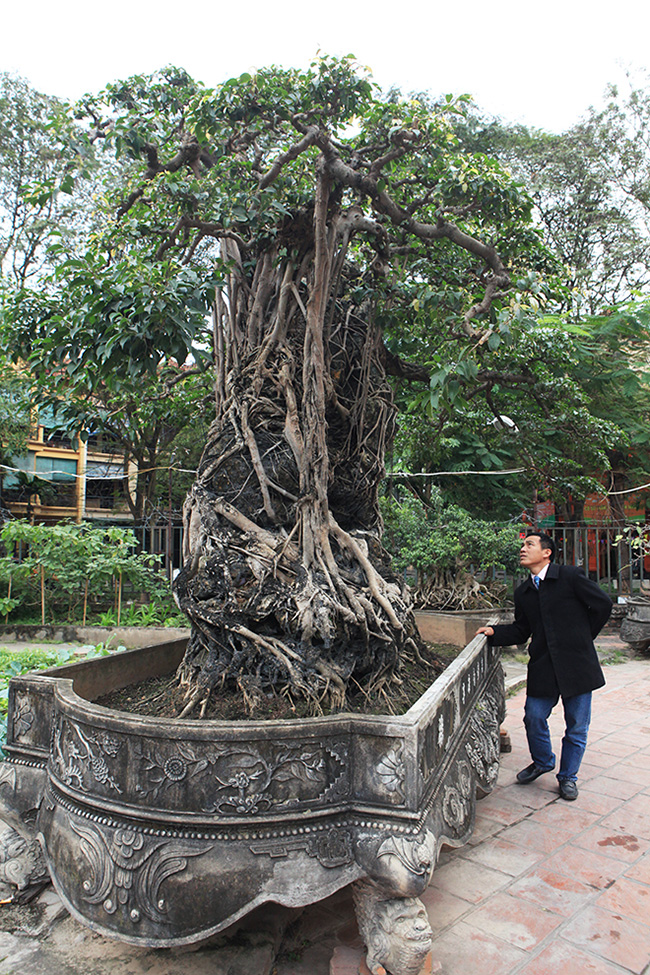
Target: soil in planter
(162,697)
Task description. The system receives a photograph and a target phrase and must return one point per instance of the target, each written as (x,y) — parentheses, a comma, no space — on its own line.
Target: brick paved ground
(547,885)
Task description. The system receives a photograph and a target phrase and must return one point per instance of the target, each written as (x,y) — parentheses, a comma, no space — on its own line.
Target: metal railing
(608,556)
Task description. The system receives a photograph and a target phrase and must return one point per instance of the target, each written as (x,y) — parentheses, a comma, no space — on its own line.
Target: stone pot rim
(206,727)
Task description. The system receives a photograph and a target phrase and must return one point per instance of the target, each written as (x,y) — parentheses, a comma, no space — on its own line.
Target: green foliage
(159,612)
(201,165)
(444,537)
(110,321)
(591,191)
(206,164)
(14,411)
(574,395)
(66,564)
(14,419)
(41,158)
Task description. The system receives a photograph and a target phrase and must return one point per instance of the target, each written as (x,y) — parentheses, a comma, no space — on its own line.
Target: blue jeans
(577,715)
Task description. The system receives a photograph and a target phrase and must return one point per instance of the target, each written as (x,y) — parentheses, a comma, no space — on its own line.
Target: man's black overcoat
(563,616)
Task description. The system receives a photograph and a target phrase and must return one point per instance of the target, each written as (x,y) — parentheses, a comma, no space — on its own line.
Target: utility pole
(170,527)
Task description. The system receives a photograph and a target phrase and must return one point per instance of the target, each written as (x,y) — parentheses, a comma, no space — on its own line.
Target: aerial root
(193,701)
(374,584)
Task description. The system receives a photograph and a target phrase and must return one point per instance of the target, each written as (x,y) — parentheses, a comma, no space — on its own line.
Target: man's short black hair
(544,540)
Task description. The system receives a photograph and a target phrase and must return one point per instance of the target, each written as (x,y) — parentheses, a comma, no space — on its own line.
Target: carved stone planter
(162,832)
(635,628)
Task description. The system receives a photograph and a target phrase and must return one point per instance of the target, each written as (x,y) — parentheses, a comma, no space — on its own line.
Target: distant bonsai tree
(449,551)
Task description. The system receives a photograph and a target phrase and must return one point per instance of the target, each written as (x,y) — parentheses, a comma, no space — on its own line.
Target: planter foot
(395,930)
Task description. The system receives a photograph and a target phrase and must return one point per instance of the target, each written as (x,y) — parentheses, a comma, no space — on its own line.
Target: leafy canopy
(238,161)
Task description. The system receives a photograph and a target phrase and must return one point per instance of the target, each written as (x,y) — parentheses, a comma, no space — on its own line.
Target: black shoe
(568,789)
(530,773)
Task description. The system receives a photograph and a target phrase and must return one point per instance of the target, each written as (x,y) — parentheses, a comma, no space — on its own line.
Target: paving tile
(629,771)
(535,836)
(616,938)
(641,760)
(628,898)
(633,735)
(470,881)
(464,949)
(502,855)
(504,809)
(610,842)
(600,760)
(593,869)
(616,745)
(504,917)
(606,784)
(588,771)
(542,793)
(553,891)
(568,815)
(443,908)
(641,870)
(346,961)
(632,816)
(509,764)
(484,827)
(560,956)
(596,803)
(535,794)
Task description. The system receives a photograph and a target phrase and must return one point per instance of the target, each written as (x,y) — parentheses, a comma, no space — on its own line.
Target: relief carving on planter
(332,847)
(127,869)
(21,860)
(482,745)
(395,930)
(458,798)
(401,864)
(242,780)
(435,738)
(23,716)
(81,756)
(391,772)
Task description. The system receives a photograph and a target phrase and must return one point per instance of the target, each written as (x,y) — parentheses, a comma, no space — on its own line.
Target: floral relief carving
(241,780)
(482,745)
(161,771)
(77,753)
(391,772)
(23,716)
(457,799)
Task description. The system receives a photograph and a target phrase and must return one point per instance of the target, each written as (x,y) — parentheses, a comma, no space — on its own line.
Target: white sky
(541,63)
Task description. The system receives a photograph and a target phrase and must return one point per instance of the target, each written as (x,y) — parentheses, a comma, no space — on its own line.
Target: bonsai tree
(304,208)
(448,549)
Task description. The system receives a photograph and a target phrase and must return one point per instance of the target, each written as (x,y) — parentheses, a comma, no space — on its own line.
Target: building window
(104,486)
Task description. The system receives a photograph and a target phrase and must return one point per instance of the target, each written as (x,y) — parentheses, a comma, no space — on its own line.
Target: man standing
(563,611)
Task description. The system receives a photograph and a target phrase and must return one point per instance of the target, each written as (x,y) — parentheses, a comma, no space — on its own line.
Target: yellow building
(85,480)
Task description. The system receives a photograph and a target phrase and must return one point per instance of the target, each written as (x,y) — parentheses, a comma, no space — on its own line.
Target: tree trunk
(285,580)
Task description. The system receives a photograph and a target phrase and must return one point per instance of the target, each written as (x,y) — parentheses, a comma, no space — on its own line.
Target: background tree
(14,420)
(555,434)
(45,180)
(318,209)
(72,334)
(591,188)
(448,549)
